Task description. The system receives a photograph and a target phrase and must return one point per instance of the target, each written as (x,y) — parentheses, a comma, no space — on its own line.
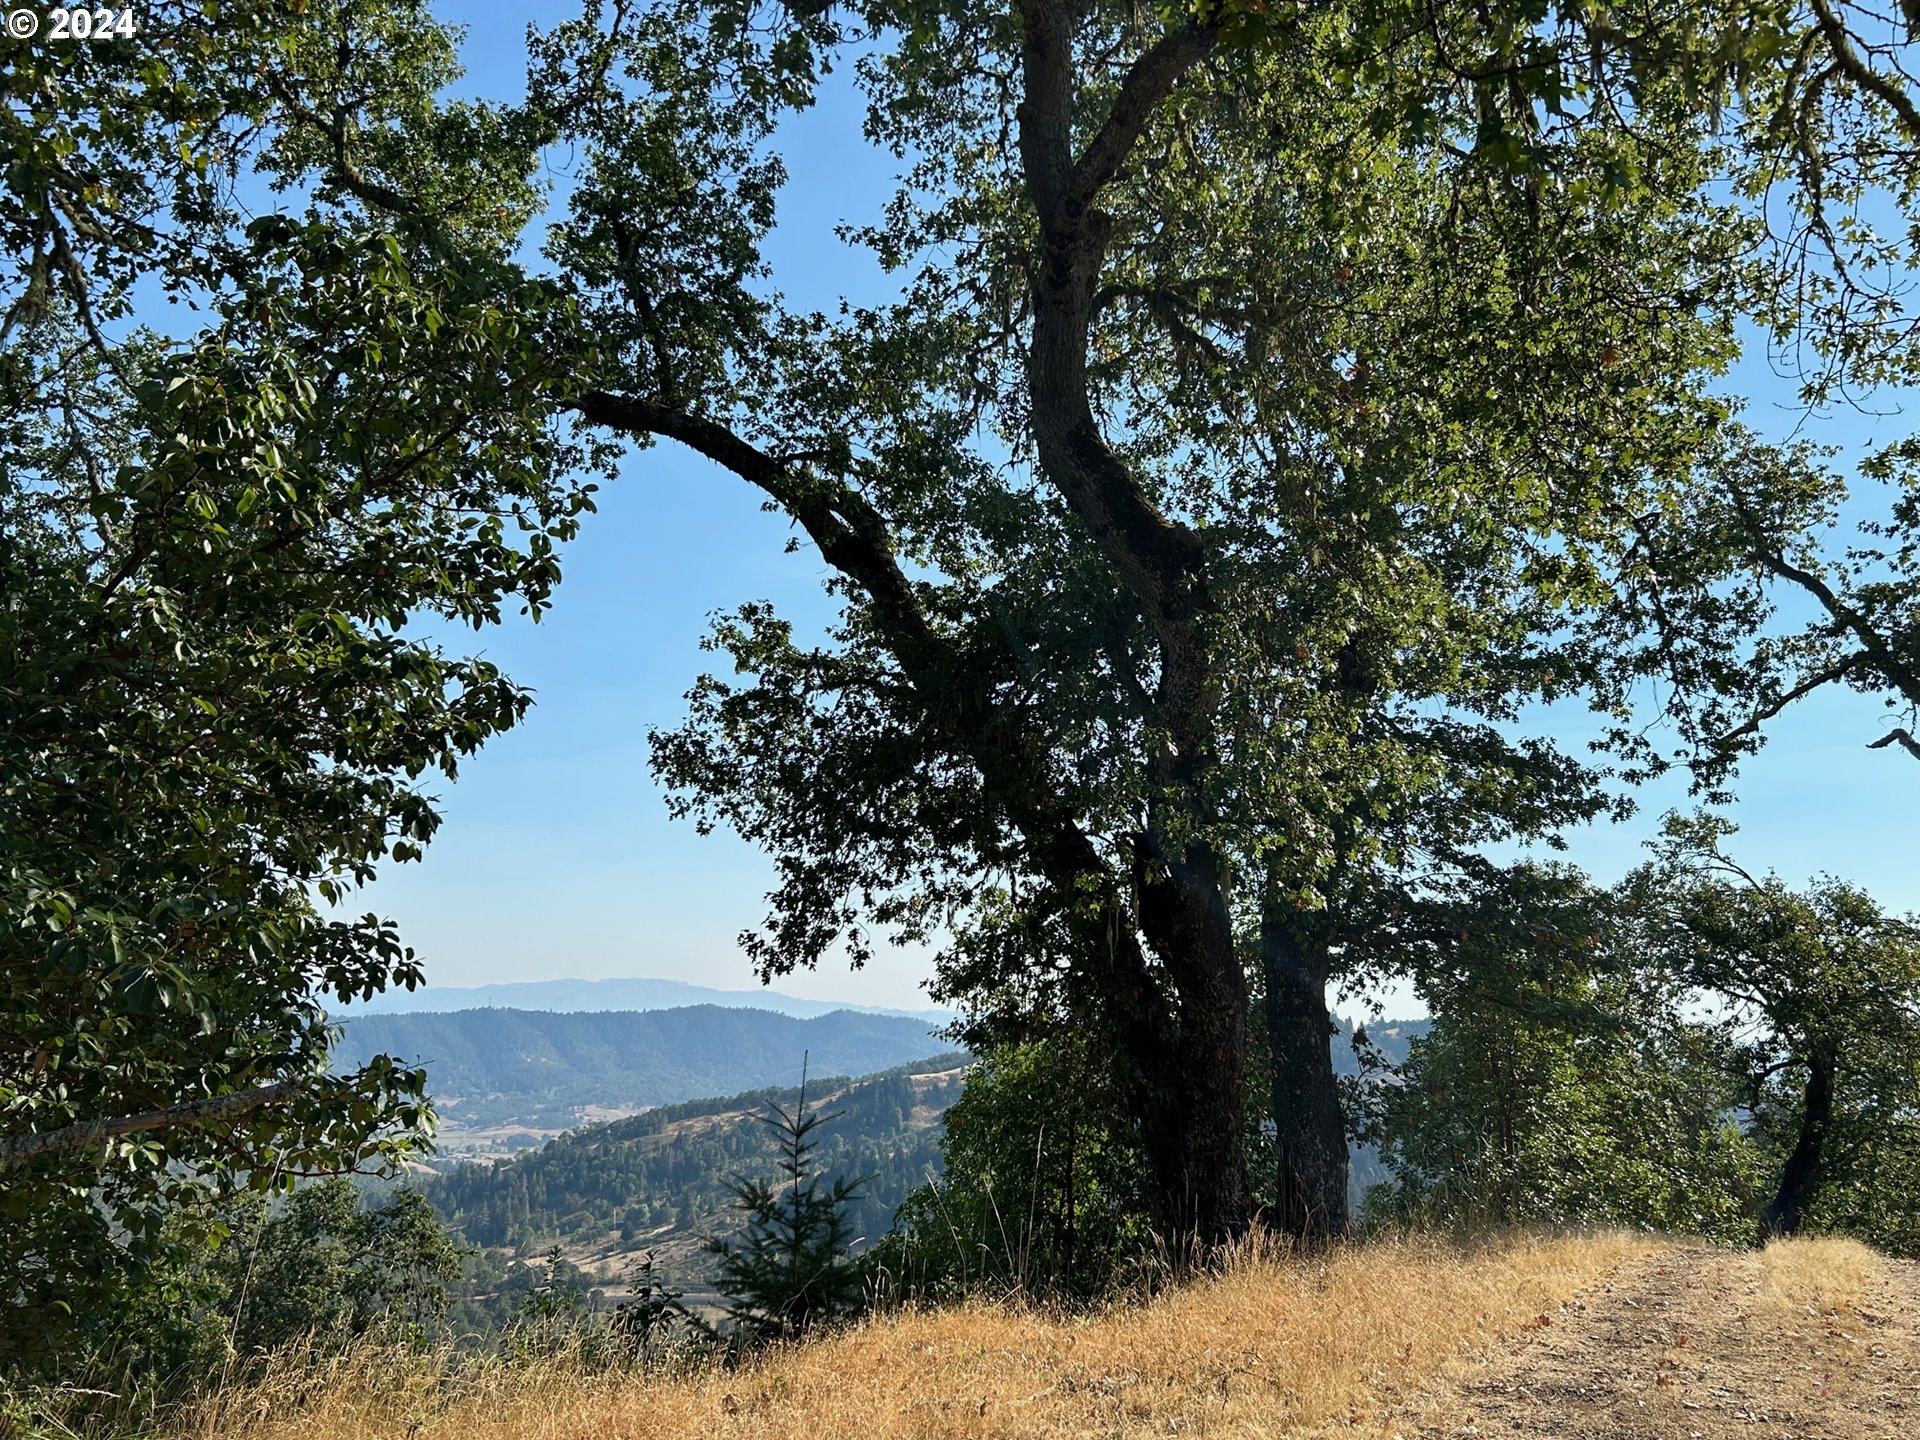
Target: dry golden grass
(1818,1276)
(1268,1347)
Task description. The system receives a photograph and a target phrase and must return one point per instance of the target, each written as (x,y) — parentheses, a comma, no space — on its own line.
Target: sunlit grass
(1820,1275)
(1271,1344)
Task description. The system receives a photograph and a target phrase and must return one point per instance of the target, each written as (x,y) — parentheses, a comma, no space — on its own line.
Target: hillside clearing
(1594,1338)
(1267,1349)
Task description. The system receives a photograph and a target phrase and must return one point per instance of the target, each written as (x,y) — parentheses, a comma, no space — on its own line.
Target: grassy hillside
(1275,1346)
(551,1071)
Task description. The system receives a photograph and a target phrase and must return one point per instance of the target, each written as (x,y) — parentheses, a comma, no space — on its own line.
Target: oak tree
(1258,430)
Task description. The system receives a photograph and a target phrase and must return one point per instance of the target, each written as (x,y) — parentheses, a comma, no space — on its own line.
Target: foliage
(1820,991)
(310,1278)
(1276,405)
(324,1271)
(157,1336)
(1501,1118)
(1042,1187)
(1815,115)
(1279,400)
(1836,131)
(554,1312)
(1698,1050)
(1872,1188)
(558,1291)
(1247,447)
(653,1323)
(1560,1083)
(225,549)
(790,1267)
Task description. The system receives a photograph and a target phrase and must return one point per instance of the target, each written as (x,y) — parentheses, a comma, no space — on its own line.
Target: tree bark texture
(1310,1133)
(1190,1095)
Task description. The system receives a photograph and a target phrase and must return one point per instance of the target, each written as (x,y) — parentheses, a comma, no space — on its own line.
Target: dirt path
(1697,1344)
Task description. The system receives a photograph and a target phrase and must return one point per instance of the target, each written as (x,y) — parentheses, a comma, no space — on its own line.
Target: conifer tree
(790,1267)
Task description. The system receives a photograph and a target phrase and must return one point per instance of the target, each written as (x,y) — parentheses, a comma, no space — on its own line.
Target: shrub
(1042,1191)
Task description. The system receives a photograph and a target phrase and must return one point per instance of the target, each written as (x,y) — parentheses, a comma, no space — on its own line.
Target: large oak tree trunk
(1191,1100)
(1788,1208)
(1190,1077)
(1310,1200)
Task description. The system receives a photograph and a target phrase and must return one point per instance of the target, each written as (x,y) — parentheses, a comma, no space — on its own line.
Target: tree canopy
(1247,448)
(1278,404)
(1820,990)
(219,542)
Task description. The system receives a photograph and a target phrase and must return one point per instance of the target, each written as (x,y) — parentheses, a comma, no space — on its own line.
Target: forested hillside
(665,1174)
(663,1178)
(489,1067)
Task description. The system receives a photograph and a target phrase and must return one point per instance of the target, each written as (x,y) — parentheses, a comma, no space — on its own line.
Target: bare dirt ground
(1699,1344)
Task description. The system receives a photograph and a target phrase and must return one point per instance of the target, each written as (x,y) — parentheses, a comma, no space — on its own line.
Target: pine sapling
(790,1267)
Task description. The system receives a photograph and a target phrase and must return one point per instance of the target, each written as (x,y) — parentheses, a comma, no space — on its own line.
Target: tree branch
(1160,560)
(345,170)
(957,693)
(17,1150)
(849,533)
(1874,647)
(1838,670)
(1901,734)
(1148,82)
(1840,43)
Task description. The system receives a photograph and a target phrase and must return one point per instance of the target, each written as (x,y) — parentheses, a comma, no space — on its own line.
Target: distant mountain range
(549,1071)
(543,1070)
(634,994)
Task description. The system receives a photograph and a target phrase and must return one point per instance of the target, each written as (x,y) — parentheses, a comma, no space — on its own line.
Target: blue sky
(557,857)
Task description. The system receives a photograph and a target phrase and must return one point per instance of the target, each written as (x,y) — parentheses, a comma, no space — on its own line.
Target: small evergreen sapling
(654,1321)
(790,1267)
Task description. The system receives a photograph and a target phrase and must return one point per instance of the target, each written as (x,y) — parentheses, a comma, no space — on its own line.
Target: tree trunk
(1188,1060)
(1182,1045)
(1310,1130)
(1789,1204)
(1198,1145)
(1191,1112)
